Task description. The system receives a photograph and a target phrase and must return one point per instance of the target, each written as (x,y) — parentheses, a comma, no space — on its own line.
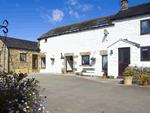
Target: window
(104,62)
(34,61)
(145,53)
(145,26)
(23,57)
(45,39)
(102,22)
(74,28)
(85,60)
(43,62)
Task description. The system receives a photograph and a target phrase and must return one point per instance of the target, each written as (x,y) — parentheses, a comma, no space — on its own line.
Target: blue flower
(17,97)
(39,100)
(22,107)
(26,91)
(35,110)
(14,88)
(44,101)
(7,103)
(29,101)
(14,94)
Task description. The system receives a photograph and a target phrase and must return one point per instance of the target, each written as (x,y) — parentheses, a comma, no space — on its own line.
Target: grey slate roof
(133,11)
(89,24)
(20,44)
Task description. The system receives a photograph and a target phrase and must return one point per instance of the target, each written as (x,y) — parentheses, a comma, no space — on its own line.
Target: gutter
(77,30)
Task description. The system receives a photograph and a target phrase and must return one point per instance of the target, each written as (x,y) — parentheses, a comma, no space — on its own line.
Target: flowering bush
(104,74)
(128,73)
(144,78)
(19,96)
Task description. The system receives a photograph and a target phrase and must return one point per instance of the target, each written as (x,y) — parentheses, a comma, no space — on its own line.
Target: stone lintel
(85,53)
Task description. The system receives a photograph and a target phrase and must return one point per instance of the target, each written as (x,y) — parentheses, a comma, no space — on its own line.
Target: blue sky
(29,19)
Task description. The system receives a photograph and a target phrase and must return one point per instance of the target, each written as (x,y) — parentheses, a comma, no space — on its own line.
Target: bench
(88,71)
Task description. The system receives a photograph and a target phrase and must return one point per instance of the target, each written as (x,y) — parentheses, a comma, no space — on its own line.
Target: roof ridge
(18,39)
(138,5)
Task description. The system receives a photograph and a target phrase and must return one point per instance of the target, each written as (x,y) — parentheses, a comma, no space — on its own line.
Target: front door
(124,59)
(69,63)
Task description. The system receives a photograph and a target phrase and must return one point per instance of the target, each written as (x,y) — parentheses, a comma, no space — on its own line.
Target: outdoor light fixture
(61,56)
(111,52)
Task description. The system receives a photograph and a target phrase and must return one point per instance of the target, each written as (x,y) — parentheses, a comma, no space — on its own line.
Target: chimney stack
(124,4)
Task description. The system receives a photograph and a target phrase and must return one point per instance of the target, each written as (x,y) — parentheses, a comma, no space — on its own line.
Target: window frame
(41,62)
(25,57)
(82,60)
(145,47)
(148,26)
(37,61)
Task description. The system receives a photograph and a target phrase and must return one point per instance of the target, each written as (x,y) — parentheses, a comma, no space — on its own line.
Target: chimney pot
(124,4)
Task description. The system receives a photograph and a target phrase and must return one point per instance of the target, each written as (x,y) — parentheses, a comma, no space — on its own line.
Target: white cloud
(72,2)
(99,8)
(57,16)
(74,14)
(17,5)
(86,7)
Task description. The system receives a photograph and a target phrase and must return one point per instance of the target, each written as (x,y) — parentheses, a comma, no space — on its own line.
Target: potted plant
(52,59)
(104,75)
(128,76)
(144,79)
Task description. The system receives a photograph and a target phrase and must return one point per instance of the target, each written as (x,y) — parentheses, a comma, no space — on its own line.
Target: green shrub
(128,73)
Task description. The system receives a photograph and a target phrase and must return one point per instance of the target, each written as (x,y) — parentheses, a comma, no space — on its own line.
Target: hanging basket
(93,59)
(52,59)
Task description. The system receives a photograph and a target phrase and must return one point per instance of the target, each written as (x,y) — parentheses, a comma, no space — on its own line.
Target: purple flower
(38,106)
(35,110)
(33,107)
(22,107)
(26,91)
(39,100)
(29,101)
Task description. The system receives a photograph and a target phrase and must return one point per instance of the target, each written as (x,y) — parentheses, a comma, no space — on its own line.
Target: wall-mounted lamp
(111,52)
(62,57)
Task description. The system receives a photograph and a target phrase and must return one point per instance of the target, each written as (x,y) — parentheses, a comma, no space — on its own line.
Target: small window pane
(22,57)
(121,56)
(144,53)
(126,57)
(85,59)
(43,65)
(145,27)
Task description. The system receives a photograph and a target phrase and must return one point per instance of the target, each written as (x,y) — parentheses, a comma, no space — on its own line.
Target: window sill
(145,34)
(24,61)
(84,65)
(34,68)
(43,68)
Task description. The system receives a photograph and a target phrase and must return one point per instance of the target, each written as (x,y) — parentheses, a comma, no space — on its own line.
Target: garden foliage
(20,95)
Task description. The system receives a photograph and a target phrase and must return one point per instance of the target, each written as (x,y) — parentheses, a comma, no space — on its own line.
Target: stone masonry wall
(15,63)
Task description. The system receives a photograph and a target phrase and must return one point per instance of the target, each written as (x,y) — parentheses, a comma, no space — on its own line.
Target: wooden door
(124,59)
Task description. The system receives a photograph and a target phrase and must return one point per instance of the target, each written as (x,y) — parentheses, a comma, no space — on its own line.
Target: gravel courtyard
(73,94)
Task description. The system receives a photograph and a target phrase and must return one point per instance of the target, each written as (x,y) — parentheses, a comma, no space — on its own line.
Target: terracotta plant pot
(145,83)
(128,80)
(104,76)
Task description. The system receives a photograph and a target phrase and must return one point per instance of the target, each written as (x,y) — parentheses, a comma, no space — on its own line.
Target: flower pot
(104,76)
(145,83)
(128,80)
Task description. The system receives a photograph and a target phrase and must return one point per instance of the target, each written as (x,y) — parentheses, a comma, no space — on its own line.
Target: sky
(30,19)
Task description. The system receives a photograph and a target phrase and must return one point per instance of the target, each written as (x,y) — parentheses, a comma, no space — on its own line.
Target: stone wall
(15,63)
(2,49)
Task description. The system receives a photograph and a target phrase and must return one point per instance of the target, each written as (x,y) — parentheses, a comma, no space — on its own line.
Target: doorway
(69,63)
(124,59)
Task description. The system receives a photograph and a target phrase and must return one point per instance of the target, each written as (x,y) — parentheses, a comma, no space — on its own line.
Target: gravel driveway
(73,94)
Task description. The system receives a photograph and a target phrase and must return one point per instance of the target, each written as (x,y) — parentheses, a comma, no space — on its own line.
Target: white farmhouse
(108,43)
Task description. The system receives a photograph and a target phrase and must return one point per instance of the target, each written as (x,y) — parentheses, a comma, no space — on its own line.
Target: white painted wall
(91,41)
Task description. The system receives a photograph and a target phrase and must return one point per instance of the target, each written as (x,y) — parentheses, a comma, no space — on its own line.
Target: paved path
(75,94)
